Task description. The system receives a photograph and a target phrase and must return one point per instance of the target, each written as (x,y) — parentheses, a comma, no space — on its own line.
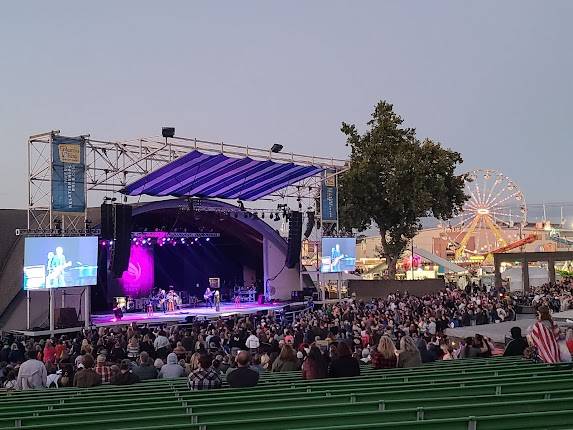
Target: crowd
(400,330)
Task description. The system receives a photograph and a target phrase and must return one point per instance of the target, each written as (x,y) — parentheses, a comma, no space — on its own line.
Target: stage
(179,316)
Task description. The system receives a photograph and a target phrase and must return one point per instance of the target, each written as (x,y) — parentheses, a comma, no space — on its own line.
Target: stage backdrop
(137,281)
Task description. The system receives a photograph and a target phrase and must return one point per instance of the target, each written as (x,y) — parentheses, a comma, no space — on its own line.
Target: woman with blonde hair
(409,355)
(385,355)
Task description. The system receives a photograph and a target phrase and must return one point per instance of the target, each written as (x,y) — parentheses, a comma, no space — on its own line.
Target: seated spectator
(32,374)
(10,382)
(569,340)
(344,365)
(145,370)
(103,369)
(408,356)
(133,348)
(125,376)
(243,376)
(87,377)
(314,366)
(517,344)
(385,356)
(286,361)
(172,369)
(204,378)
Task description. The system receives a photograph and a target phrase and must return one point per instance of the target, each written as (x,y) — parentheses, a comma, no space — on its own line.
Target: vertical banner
(328,196)
(138,280)
(68,174)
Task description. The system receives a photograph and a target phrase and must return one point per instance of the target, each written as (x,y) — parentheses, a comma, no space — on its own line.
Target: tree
(394,180)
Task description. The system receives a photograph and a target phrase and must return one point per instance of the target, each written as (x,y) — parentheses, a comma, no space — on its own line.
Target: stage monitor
(59,262)
(338,254)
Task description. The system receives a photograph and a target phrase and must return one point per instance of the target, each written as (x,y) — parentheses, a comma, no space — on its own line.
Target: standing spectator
(161,345)
(125,376)
(32,374)
(286,361)
(243,376)
(145,370)
(385,356)
(205,377)
(543,336)
(314,366)
(86,377)
(344,365)
(133,348)
(172,369)
(409,356)
(252,343)
(102,369)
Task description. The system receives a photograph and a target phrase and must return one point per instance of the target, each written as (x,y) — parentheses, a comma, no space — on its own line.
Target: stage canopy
(203,175)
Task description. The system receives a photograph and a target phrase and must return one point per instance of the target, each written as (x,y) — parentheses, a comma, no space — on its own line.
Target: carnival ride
(496,206)
(555,236)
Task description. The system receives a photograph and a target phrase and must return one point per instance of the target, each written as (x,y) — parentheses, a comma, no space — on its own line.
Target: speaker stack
(116,225)
(294,239)
(309,224)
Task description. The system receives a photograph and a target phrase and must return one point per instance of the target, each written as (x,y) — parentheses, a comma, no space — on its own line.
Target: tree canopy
(395,179)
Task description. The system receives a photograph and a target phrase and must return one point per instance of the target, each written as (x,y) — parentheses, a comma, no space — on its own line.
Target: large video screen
(338,254)
(59,262)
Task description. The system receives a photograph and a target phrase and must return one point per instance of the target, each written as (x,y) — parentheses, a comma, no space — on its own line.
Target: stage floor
(227,309)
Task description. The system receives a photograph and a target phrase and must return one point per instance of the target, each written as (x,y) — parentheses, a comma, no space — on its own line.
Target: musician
(172,299)
(56,268)
(162,299)
(217,296)
(208,296)
(335,257)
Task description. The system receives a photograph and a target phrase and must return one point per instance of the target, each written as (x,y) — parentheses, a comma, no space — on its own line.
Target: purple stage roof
(203,175)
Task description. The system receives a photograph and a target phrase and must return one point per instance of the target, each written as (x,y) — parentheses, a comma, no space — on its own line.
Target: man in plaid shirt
(102,370)
(204,378)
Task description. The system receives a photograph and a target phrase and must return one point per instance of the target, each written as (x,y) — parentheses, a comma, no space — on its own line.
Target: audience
(330,341)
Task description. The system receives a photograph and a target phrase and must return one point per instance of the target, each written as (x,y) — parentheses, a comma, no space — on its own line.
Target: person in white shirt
(32,374)
(161,345)
(252,342)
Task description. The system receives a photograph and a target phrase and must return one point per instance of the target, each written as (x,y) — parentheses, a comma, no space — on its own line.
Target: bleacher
(496,393)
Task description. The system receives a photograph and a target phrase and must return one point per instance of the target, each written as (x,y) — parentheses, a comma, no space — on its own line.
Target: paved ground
(497,332)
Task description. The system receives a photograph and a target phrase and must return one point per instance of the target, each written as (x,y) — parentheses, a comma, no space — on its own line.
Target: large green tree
(394,180)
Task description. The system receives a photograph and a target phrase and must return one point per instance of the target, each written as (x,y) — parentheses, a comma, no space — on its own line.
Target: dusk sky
(490,79)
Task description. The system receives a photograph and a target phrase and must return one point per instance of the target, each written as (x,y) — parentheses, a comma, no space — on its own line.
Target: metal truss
(110,166)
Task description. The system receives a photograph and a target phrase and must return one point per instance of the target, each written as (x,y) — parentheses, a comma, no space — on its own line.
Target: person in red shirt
(103,370)
(49,352)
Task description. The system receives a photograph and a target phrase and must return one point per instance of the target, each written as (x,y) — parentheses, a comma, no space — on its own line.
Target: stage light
(168,132)
(168,239)
(182,240)
(276,148)
(196,239)
(111,242)
(263,215)
(241,205)
(207,239)
(277,217)
(134,239)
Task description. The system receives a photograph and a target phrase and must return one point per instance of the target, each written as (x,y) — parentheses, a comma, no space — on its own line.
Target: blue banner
(68,174)
(328,197)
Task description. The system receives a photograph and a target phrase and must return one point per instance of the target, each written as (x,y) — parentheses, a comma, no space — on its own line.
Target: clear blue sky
(490,79)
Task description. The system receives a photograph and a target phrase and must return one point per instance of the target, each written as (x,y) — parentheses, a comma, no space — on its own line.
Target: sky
(490,79)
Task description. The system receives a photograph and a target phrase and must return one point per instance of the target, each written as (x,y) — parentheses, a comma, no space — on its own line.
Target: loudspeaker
(66,317)
(107,221)
(294,239)
(122,244)
(309,224)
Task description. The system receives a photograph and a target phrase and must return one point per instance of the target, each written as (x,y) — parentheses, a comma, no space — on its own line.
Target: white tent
(537,276)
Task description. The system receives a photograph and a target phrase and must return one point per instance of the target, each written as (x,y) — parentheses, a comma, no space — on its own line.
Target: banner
(68,174)
(328,196)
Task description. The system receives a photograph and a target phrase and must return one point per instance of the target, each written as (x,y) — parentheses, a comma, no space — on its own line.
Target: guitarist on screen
(335,257)
(57,265)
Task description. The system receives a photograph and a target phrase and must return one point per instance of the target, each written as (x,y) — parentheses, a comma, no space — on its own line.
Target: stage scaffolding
(111,165)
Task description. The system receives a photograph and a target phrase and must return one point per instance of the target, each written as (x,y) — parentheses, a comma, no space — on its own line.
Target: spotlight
(277,217)
(111,242)
(168,132)
(241,205)
(196,239)
(263,215)
(208,239)
(276,148)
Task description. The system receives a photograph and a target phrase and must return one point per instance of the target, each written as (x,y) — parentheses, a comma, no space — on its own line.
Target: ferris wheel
(489,219)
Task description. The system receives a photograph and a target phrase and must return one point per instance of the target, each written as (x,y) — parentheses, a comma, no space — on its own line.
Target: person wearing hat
(102,369)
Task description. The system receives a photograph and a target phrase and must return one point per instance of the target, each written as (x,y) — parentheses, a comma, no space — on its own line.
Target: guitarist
(56,268)
(335,257)
(208,296)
